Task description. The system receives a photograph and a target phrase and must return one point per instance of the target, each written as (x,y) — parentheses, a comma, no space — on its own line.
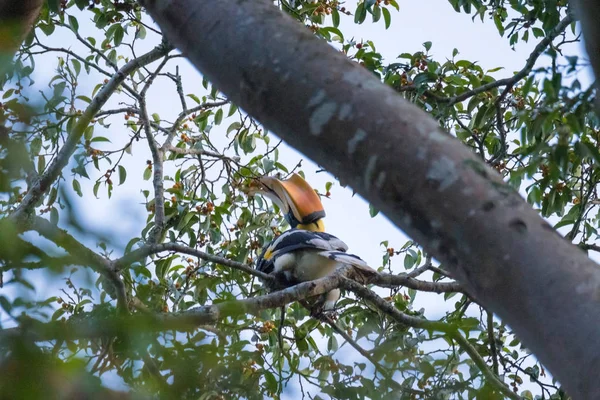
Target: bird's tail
(360,266)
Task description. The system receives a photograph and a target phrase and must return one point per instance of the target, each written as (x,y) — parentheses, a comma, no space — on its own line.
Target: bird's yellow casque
(298,201)
(305,252)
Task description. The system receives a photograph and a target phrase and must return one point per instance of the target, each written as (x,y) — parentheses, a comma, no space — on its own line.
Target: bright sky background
(347,216)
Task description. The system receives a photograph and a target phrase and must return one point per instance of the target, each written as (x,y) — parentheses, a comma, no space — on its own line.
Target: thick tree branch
(43,184)
(16,19)
(183,321)
(395,155)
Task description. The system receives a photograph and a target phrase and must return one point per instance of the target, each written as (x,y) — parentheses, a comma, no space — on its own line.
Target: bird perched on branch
(305,252)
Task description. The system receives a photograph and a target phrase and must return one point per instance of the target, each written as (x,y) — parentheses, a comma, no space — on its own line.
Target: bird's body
(305,252)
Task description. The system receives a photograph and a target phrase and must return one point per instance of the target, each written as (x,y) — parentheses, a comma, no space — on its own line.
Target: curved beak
(296,198)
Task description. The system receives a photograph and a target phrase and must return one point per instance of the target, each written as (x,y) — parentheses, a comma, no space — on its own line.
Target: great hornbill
(305,252)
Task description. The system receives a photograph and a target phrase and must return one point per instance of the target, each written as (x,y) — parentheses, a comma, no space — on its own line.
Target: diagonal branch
(43,183)
(150,249)
(509,82)
(422,323)
(396,156)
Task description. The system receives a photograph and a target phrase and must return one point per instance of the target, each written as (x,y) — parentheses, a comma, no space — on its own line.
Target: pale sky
(347,216)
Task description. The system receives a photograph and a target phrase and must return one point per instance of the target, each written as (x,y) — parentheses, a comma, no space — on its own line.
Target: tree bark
(588,13)
(16,19)
(396,156)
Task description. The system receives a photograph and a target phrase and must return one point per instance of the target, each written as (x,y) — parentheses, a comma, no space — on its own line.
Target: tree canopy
(176,309)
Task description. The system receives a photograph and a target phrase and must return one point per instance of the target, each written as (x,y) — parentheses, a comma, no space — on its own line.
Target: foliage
(535,127)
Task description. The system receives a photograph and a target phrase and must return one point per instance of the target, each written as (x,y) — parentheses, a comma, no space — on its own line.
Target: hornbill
(305,252)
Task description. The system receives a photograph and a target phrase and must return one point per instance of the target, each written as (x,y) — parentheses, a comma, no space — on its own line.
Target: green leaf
(498,23)
(409,261)
(233,127)
(376,13)
(218,116)
(54,6)
(387,18)
(140,32)
(360,14)
(537,32)
(41,164)
(96,187)
(73,23)
(427,45)
(119,34)
(76,66)
(48,29)
(77,187)
(332,344)
(122,174)
(162,267)
(372,211)
(147,173)
(35,146)
(232,109)
(81,4)
(335,31)
(5,304)
(271,381)
(54,216)
(335,16)
(427,369)
(89,132)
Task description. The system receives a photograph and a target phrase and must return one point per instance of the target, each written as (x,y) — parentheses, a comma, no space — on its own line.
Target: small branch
(482,365)
(179,87)
(388,308)
(492,341)
(131,110)
(150,249)
(82,255)
(586,247)
(184,114)
(391,280)
(72,54)
(197,152)
(418,271)
(92,48)
(157,159)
